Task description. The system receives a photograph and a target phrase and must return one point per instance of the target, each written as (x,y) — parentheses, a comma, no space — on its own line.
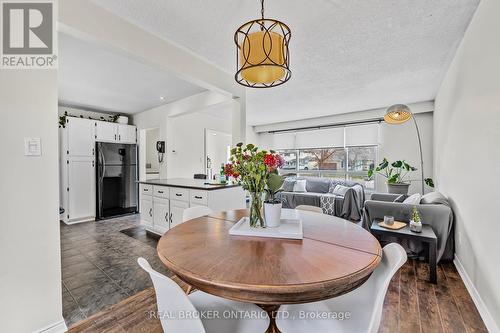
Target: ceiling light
(262,53)
(162,98)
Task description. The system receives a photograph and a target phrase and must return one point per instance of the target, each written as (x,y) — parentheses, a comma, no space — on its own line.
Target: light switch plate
(32,147)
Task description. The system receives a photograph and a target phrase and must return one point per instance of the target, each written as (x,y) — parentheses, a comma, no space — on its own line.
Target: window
(351,163)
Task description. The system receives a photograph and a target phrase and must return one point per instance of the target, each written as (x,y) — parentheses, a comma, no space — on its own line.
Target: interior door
(176,209)
(81,188)
(161,218)
(80,136)
(127,134)
(105,131)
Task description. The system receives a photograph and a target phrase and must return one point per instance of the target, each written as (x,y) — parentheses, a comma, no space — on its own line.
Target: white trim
(59,327)
(476,297)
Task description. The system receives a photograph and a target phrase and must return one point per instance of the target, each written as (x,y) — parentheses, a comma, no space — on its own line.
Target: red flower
(230,172)
(271,161)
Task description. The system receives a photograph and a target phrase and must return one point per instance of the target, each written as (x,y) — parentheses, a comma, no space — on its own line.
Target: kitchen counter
(197,184)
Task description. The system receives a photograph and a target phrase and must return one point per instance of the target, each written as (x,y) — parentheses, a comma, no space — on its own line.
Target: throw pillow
(340,190)
(434,198)
(288,185)
(413,199)
(401,198)
(300,185)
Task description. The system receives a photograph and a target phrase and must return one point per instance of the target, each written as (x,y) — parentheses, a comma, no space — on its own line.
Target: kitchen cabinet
(106,131)
(80,189)
(80,136)
(77,178)
(127,133)
(161,215)
(162,206)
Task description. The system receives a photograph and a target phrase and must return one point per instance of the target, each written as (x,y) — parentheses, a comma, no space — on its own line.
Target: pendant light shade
(262,53)
(397,114)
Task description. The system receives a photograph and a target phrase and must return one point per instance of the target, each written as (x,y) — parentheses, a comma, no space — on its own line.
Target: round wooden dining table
(334,257)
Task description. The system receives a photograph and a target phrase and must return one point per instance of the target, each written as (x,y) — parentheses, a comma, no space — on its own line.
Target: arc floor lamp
(399,114)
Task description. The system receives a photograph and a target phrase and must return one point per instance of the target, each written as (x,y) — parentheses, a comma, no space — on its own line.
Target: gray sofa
(319,193)
(434,210)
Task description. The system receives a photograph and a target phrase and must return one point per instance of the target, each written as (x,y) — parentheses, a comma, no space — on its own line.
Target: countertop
(197,184)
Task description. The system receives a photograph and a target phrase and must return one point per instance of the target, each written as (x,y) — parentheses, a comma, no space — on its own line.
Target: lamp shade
(262,53)
(397,114)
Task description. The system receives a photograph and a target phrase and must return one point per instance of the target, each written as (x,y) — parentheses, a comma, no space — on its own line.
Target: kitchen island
(162,201)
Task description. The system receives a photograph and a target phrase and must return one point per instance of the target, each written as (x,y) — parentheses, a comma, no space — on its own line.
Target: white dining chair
(200,312)
(194,212)
(364,305)
(310,208)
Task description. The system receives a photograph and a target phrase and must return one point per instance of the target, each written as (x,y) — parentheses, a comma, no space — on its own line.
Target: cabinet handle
(151,212)
(92,163)
(178,194)
(197,197)
(166,217)
(93,151)
(119,137)
(170,217)
(161,192)
(145,190)
(115,136)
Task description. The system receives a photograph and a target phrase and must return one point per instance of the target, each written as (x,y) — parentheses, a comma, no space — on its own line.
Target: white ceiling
(93,77)
(346,55)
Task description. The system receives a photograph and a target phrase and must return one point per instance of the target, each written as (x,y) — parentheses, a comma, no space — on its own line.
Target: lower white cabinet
(162,207)
(161,215)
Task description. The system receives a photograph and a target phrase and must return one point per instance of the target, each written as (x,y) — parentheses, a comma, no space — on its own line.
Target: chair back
(310,208)
(200,176)
(176,312)
(194,212)
(375,289)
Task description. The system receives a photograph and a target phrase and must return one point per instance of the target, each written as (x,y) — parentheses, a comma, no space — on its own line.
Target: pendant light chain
(262,8)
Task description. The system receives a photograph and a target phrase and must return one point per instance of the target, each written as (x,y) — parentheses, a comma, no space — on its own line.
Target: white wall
(30,261)
(152,137)
(395,142)
(184,134)
(466,154)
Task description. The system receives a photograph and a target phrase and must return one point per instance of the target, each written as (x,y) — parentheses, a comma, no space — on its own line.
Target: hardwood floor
(106,252)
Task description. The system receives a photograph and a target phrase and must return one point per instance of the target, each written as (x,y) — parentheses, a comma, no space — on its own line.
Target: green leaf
(429,182)
(393,179)
(370,173)
(397,164)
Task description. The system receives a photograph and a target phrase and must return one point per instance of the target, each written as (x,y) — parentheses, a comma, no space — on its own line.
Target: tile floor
(99,265)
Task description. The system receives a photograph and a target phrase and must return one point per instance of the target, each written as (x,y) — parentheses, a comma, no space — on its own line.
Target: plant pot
(122,120)
(400,188)
(272,214)
(415,226)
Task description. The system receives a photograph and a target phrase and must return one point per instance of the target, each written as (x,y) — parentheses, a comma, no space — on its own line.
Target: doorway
(217,151)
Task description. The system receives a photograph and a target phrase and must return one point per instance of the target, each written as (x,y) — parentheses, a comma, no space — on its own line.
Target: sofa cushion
(434,198)
(340,190)
(413,199)
(300,185)
(400,198)
(317,184)
(288,184)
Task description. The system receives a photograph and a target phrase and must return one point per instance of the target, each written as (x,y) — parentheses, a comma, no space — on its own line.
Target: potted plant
(251,167)
(397,174)
(415,222)
(272,205)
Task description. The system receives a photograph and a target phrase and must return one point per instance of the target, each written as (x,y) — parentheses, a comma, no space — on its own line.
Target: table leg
(433,262)
(272,312)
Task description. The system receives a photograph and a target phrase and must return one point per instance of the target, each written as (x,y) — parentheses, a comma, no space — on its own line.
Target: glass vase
(256,219)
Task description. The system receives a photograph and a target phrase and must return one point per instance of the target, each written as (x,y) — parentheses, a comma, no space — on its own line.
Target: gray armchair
(434,210)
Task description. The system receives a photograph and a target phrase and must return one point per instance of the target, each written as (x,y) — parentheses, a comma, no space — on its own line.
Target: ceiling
(346,55)
(95,78)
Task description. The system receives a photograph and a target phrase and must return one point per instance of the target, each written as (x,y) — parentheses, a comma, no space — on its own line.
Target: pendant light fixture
(262,54)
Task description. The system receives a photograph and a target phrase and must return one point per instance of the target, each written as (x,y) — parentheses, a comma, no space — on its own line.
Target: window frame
(343,174)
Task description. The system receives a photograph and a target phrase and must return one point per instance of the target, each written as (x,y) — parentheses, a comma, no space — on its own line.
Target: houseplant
(397,174)
(251,168)
(415,222)
(272,205)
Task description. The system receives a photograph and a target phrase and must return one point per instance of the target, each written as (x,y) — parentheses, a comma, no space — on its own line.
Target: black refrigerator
(117,175)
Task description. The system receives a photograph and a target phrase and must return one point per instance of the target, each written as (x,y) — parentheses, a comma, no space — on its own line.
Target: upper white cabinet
(80,137)
(112,132)
(127,133)
(106,131)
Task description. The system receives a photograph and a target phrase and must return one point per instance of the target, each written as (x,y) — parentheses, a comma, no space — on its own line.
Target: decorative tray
(290,227)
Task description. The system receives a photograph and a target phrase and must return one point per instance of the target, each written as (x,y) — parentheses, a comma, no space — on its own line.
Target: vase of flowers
(251,168)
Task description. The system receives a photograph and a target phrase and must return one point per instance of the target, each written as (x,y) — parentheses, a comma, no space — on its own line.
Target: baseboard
(59,327)
(478,301)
